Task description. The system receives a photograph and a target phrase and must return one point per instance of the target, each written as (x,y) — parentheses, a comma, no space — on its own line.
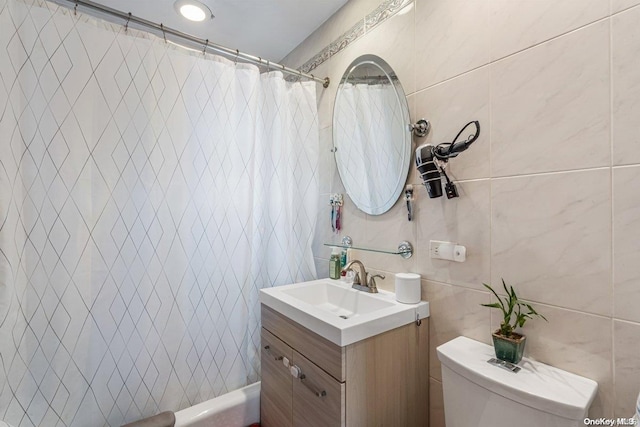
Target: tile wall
(549,193)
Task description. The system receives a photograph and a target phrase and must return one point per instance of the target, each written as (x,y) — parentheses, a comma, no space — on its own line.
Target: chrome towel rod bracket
(421,128)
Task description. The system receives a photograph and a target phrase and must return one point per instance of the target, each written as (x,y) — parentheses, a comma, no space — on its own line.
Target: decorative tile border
(314,62)
(347,38)
(386,10)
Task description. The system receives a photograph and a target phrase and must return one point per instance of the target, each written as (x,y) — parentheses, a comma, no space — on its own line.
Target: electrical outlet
(447,251)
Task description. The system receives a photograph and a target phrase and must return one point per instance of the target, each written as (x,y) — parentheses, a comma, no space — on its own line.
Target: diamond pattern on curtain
(146,195)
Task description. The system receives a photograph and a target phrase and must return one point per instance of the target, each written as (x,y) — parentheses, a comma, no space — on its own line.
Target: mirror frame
(407,136)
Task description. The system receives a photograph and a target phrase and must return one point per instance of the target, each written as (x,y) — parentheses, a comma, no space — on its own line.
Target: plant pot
(509,349)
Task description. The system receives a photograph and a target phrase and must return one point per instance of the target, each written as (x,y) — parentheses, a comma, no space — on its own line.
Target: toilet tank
(478,394)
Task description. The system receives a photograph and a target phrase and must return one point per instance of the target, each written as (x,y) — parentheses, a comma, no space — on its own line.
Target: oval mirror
(371,137)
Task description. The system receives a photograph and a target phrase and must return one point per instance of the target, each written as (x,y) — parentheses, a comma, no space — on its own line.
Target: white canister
(408,288)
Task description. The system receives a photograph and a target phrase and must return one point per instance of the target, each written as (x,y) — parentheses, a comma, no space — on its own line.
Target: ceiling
(266,28)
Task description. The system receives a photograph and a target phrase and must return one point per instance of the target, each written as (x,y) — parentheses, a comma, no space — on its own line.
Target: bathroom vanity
(339,359)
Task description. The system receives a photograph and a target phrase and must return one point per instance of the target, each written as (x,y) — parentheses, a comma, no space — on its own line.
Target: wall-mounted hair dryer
(429,159)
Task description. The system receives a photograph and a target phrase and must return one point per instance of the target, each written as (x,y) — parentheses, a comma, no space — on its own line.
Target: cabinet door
(318,399)
(276,387)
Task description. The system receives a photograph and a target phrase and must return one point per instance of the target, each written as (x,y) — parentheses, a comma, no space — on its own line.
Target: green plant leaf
(496,295)
(533,311)
(504,285)
(512,308)
(492,305)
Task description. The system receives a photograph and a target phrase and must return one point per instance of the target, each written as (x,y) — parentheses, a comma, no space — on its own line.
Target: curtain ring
(126,25)
(204,49)
(164,35)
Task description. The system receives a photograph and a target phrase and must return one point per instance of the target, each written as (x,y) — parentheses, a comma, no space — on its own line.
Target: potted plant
(509,345)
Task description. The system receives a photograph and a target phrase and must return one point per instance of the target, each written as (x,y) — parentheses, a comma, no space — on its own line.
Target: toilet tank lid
(537,385)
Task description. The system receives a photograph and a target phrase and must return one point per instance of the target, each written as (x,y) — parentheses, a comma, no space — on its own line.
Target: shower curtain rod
(206,44)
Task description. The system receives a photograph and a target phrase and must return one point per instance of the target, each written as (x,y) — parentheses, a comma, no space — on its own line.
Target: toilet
(479,394)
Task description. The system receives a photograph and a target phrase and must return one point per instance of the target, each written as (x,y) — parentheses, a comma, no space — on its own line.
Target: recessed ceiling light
(193,10)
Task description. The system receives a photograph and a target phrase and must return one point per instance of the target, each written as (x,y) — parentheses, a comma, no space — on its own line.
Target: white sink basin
(339,313)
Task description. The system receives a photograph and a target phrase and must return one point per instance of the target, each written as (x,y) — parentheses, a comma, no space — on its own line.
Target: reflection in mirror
(372,141)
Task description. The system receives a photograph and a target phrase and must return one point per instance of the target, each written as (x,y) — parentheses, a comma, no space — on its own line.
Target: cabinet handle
(296,372)
(322,393)
(268,350)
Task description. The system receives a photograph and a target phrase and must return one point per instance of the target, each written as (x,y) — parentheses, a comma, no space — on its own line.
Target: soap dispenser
(334,263)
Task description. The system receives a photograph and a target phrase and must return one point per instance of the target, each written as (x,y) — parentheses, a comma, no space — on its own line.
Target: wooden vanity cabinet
(379,381)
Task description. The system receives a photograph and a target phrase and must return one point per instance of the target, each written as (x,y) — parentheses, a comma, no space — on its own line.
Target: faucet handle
(356,275)
(371,283)
(356,278)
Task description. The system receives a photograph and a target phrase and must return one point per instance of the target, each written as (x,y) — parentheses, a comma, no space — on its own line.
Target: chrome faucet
(361,281)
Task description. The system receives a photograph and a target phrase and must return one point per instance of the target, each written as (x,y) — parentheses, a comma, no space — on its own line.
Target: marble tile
(385,232)
(550,105)
(465,220)
(452,38)
(451,105)
(323,232)
(327,162)
(354,223)
(575,342)
(413,177)
(454,311)
(317,60)
(626,246)
(311,46)
(551,238)
(347,38)
(626,87)
(519,24)
(388,283)
(393,41)
(348,15)
(342,20)
(620,5)
(436,404)
(377,42)
(627,367)
(385,10)
(336,182)
(325,97)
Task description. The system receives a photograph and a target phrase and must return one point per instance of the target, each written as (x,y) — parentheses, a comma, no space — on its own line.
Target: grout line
(612,363)
(567,171)
(626,9)
(557,36)
(573,310)
(535,174)
(602,316)
(491,61)
(495,61)
(631,166)
(449,79)
(491,208)
(627,322)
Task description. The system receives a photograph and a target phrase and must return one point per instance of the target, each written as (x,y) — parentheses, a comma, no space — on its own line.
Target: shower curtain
(146,194)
